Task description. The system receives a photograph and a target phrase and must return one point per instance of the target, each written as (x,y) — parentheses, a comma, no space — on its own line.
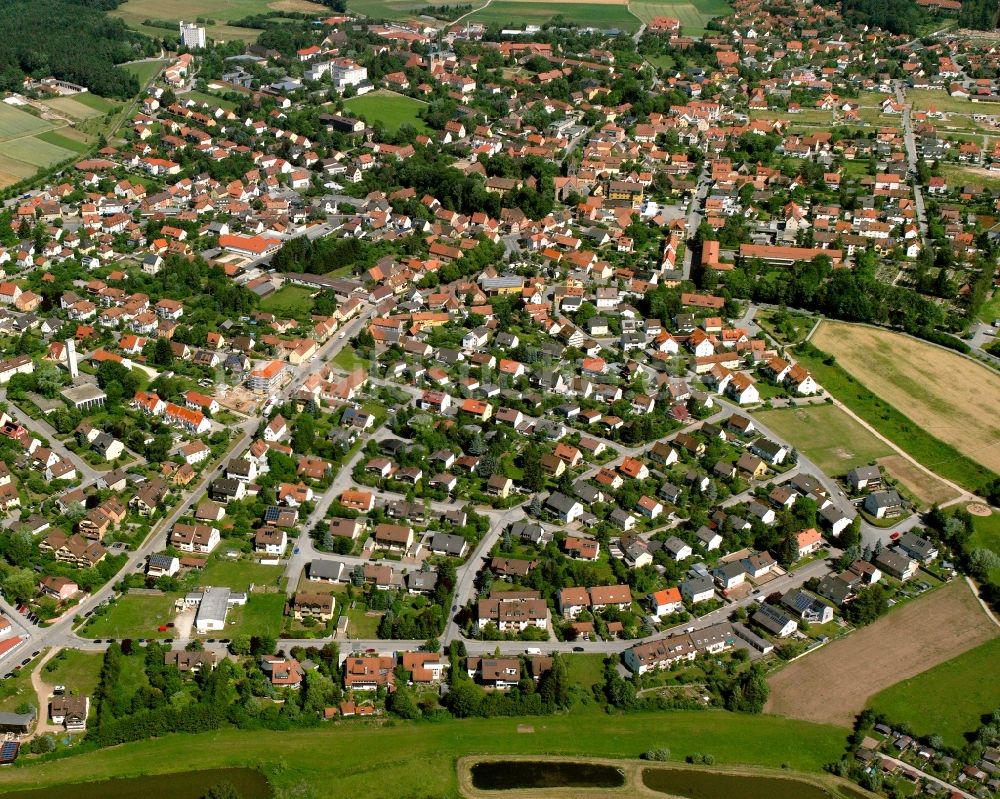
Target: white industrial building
(213,604)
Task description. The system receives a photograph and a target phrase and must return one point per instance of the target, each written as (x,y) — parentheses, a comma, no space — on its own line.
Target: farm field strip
(928,490)
(35,152)
(14,123)
(950,397)
(834,684)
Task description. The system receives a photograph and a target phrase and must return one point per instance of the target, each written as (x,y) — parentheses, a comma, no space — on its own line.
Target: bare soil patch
(833,684)
(951,397)
(929,490)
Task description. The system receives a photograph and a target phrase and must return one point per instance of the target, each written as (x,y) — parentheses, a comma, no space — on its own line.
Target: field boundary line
(964,496)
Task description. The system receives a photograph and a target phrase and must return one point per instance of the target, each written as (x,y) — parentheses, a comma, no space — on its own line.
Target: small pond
(502,775)
(710,785)
(249,783)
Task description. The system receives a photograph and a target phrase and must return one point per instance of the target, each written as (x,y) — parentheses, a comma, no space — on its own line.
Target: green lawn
(288,301)
(360,625)
(585,670)
(412,759)
(518,13)
(238,574)
(98,103)
(211,99)
(348,360)
(947,461)
(986,534)
(79,671)
(15,122)
(143,70)
(262,615)
(827,436)
(922,99)
(389,108)
(948,699)
(17,689)
(991,310)
(133,616)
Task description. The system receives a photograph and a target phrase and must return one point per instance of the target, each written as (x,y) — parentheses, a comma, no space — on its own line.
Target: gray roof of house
(771,618)
(449,544)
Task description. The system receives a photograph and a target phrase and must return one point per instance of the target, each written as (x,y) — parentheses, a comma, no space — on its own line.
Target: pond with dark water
(500,775)
(249,783)
(710,785)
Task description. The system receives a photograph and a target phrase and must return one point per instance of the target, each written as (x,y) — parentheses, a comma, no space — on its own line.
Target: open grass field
(922,99)
(74,108)
(827,435)
(834,684)
(518,13)
(991,309)
(389,108)
(135,12)
(288,301)
(143,70)
(585,670)
(133,616)
(412,759)
(262,615)
(693,14)
(17,689)
(986,535)
(949,699)
(348,360)
(238,574)
(926,489)
(986,532)
(79,671)
(950,397)
(959,175)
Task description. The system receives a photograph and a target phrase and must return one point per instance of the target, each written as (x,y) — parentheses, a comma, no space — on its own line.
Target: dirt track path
(43,691)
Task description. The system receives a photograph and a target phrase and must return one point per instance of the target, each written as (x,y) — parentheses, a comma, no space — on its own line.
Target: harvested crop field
(926,488)
(834,684)
(953,398)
